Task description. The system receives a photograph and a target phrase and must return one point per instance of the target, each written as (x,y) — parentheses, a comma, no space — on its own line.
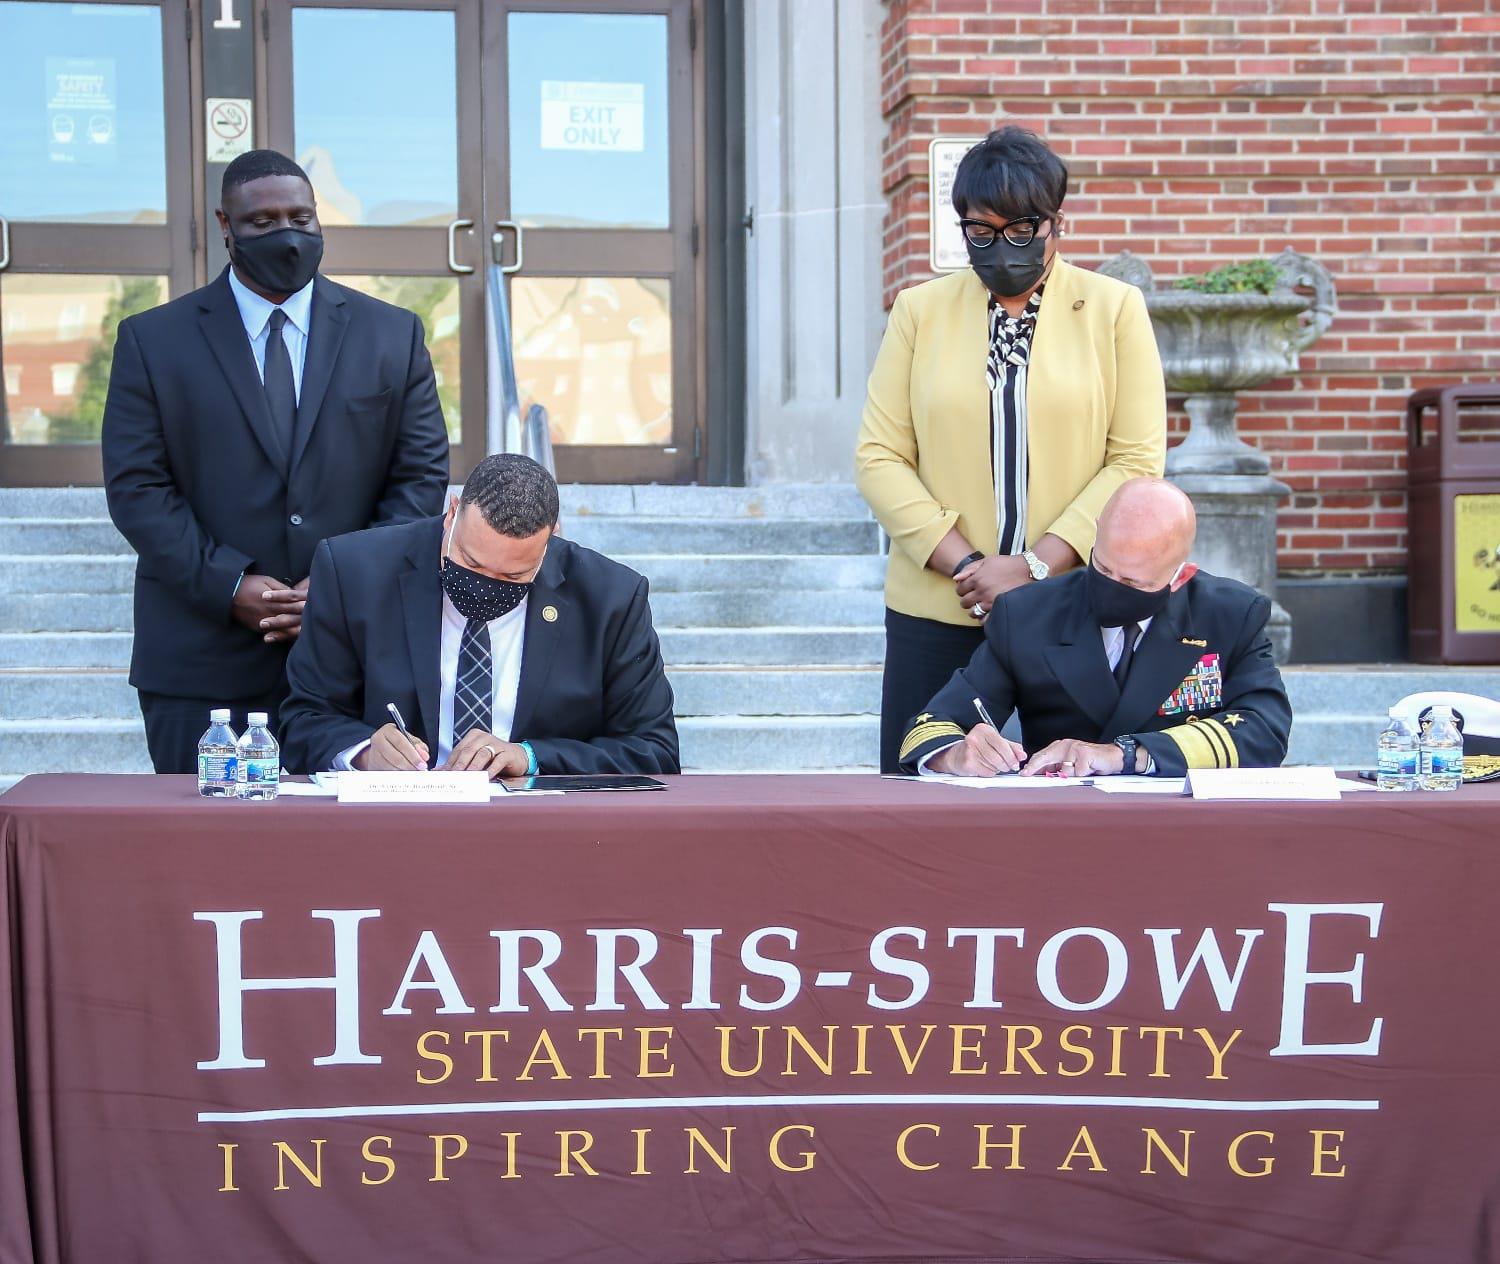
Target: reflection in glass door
(94,214)
(589,184)
(378,101)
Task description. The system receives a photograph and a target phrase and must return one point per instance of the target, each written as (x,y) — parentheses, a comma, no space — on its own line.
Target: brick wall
(1360,132)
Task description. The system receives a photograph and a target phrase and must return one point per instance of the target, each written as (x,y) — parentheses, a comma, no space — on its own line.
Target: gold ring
(491,750)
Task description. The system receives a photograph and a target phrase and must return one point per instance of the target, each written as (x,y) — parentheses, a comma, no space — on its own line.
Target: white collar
(255,311)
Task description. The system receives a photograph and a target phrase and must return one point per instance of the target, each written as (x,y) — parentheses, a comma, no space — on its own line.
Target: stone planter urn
(1212,346)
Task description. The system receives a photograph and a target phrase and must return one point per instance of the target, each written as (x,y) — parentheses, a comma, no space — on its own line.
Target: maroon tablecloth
(914,1022)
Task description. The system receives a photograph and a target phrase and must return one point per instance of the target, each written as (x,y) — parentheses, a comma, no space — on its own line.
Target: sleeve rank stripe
(1197,750)
(926,733)
(1222,733)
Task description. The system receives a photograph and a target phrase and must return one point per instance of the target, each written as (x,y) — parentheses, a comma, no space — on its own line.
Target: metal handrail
(504,430)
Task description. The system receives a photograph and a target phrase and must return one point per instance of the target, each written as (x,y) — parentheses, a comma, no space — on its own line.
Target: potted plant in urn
(1218,334)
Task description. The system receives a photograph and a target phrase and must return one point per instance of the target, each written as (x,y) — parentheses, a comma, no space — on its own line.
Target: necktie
(281,388)
(1127,652)
(474,690)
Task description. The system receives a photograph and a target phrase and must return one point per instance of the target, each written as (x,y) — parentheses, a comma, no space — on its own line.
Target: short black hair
(517,496)
(1011,172)
(256,164)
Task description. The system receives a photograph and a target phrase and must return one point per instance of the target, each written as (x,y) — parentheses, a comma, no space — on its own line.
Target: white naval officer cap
(1477,718)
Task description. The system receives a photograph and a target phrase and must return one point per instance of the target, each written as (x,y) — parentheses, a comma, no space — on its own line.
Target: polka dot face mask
(477,596)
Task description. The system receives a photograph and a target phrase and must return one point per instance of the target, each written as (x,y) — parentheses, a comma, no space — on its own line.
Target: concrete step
(66,573)
(717,536)
(764,691)
(782,744)
(69,649)
(759,608)
(782,500)
(44,536)
(773,691)
(736,608)
(70,746)
(756,647)
(1370,690)
(46,695)
(669,572)
(66,612)
(612,536)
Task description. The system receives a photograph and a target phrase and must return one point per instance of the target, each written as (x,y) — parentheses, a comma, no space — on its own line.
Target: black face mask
(281,262)
(1117,605)
(477,596)
(1008,270)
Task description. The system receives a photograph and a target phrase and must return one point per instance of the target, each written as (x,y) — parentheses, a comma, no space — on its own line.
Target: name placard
(1315,784)
(414,787)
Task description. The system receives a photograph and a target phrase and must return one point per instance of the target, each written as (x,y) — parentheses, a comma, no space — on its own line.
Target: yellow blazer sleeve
(1136,444)
(885,459)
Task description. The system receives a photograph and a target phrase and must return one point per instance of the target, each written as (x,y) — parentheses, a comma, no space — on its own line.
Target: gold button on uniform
(549,613)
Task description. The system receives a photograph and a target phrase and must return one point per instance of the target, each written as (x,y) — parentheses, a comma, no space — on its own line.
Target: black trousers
(920,656)
(174,725)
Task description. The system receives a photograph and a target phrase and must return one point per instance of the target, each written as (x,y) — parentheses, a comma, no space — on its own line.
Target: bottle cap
(219,715)
(259,719)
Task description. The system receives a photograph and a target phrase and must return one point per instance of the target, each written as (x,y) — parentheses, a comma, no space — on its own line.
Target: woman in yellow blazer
(1007,403)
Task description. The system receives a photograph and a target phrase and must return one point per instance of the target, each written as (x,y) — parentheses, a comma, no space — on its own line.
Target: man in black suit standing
(246,422)
(1137,663)
(505,647)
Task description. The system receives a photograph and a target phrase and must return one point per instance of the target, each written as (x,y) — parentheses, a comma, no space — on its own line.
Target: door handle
(4,243)
(498,242)
(463,269)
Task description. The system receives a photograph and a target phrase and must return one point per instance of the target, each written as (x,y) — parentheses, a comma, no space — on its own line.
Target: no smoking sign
(227,135)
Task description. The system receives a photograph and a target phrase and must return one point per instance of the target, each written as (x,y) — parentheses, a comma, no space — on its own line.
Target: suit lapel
(1079,661)
(329,321)
(542,634)
(225,333)
(1161,661)
(422,608)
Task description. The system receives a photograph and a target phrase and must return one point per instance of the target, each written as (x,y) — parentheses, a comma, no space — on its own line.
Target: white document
(309,790)
(1310,784)
(1141,785)
(414,787)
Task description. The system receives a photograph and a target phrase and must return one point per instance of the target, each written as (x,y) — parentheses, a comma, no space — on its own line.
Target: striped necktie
(474,690)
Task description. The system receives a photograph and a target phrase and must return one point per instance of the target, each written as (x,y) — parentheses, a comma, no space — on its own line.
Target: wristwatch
(1127,745)
(1038,568)
(973,557)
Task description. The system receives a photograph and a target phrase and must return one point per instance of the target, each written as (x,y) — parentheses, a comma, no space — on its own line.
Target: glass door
(95,214)
(590,193)
(379,102)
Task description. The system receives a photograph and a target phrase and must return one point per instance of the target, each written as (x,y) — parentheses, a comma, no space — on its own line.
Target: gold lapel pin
(1202,645)
(549,613)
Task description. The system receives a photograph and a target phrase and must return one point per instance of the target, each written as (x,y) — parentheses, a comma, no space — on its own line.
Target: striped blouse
(1005,370)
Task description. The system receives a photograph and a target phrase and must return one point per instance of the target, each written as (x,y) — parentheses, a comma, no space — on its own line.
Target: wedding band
(1068,763)
(977,611)
(491,750)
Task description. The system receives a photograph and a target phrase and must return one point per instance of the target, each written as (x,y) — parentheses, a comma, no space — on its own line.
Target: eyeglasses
(1019,232)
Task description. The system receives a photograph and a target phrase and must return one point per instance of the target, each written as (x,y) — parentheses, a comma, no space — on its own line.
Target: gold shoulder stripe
(923,733)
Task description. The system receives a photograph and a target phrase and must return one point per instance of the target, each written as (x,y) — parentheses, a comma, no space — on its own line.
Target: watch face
(1039,569)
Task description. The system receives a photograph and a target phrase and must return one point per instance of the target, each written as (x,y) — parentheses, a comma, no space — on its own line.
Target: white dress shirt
(1114,646)
(255,312)
(507,641)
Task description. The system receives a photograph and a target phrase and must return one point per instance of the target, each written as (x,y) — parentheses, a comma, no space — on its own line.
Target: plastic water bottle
(1442,752)
(259,760)
(218,758)
(1399,756)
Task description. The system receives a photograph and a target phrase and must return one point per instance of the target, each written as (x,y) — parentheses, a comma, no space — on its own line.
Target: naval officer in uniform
(1138,662)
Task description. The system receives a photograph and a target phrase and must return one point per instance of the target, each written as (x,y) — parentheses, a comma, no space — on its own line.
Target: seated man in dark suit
(505,647)
(1137,663)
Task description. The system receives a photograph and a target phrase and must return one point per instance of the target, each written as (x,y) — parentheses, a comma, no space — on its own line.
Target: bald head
(1146,533)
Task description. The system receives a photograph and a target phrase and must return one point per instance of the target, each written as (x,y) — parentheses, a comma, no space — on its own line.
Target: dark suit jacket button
(296,520)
